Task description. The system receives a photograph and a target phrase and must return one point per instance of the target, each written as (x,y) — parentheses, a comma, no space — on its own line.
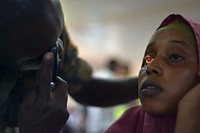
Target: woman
(168,82)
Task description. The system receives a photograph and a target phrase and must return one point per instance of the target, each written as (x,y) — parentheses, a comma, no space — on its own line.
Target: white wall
(103,28)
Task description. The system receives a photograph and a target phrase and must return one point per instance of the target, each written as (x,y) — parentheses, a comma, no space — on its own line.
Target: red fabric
(135,120)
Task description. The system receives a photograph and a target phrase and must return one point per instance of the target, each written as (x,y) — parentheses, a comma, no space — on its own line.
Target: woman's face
(169,71)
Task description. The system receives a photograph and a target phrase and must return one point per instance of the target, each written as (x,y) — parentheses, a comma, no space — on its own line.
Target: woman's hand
(45,110)
(188,117)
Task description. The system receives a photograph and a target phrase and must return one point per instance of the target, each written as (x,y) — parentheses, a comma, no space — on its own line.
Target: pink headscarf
(194,25)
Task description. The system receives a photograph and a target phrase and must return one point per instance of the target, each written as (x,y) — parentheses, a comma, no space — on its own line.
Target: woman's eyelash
(173,57)
(176,58)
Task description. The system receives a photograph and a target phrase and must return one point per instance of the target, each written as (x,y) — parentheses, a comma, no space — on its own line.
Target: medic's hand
(44,110)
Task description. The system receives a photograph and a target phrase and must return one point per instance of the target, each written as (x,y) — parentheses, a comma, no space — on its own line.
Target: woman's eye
(148,59)
(176,58)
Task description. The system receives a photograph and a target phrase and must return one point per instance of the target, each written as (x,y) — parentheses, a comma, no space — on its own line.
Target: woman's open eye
(148,59)
(176,58)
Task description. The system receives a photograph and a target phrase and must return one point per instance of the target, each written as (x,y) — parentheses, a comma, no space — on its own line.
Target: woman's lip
(150,88)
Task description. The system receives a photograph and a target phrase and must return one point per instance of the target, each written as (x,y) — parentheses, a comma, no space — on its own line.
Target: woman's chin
(157,112)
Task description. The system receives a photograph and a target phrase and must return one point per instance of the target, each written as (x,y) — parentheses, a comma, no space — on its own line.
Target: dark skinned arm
(104,93)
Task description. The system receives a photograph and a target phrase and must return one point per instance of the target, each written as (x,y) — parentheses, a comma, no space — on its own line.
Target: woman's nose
(154,68)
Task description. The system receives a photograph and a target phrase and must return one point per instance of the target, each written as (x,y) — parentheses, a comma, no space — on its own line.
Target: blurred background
(116,29)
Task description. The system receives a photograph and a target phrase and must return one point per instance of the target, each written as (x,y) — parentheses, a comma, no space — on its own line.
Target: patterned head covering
(186,26)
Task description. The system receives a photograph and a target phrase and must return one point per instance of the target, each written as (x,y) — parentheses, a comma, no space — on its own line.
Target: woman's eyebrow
(180,42)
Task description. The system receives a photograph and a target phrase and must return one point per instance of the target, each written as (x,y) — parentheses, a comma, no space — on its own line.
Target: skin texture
(171,62)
